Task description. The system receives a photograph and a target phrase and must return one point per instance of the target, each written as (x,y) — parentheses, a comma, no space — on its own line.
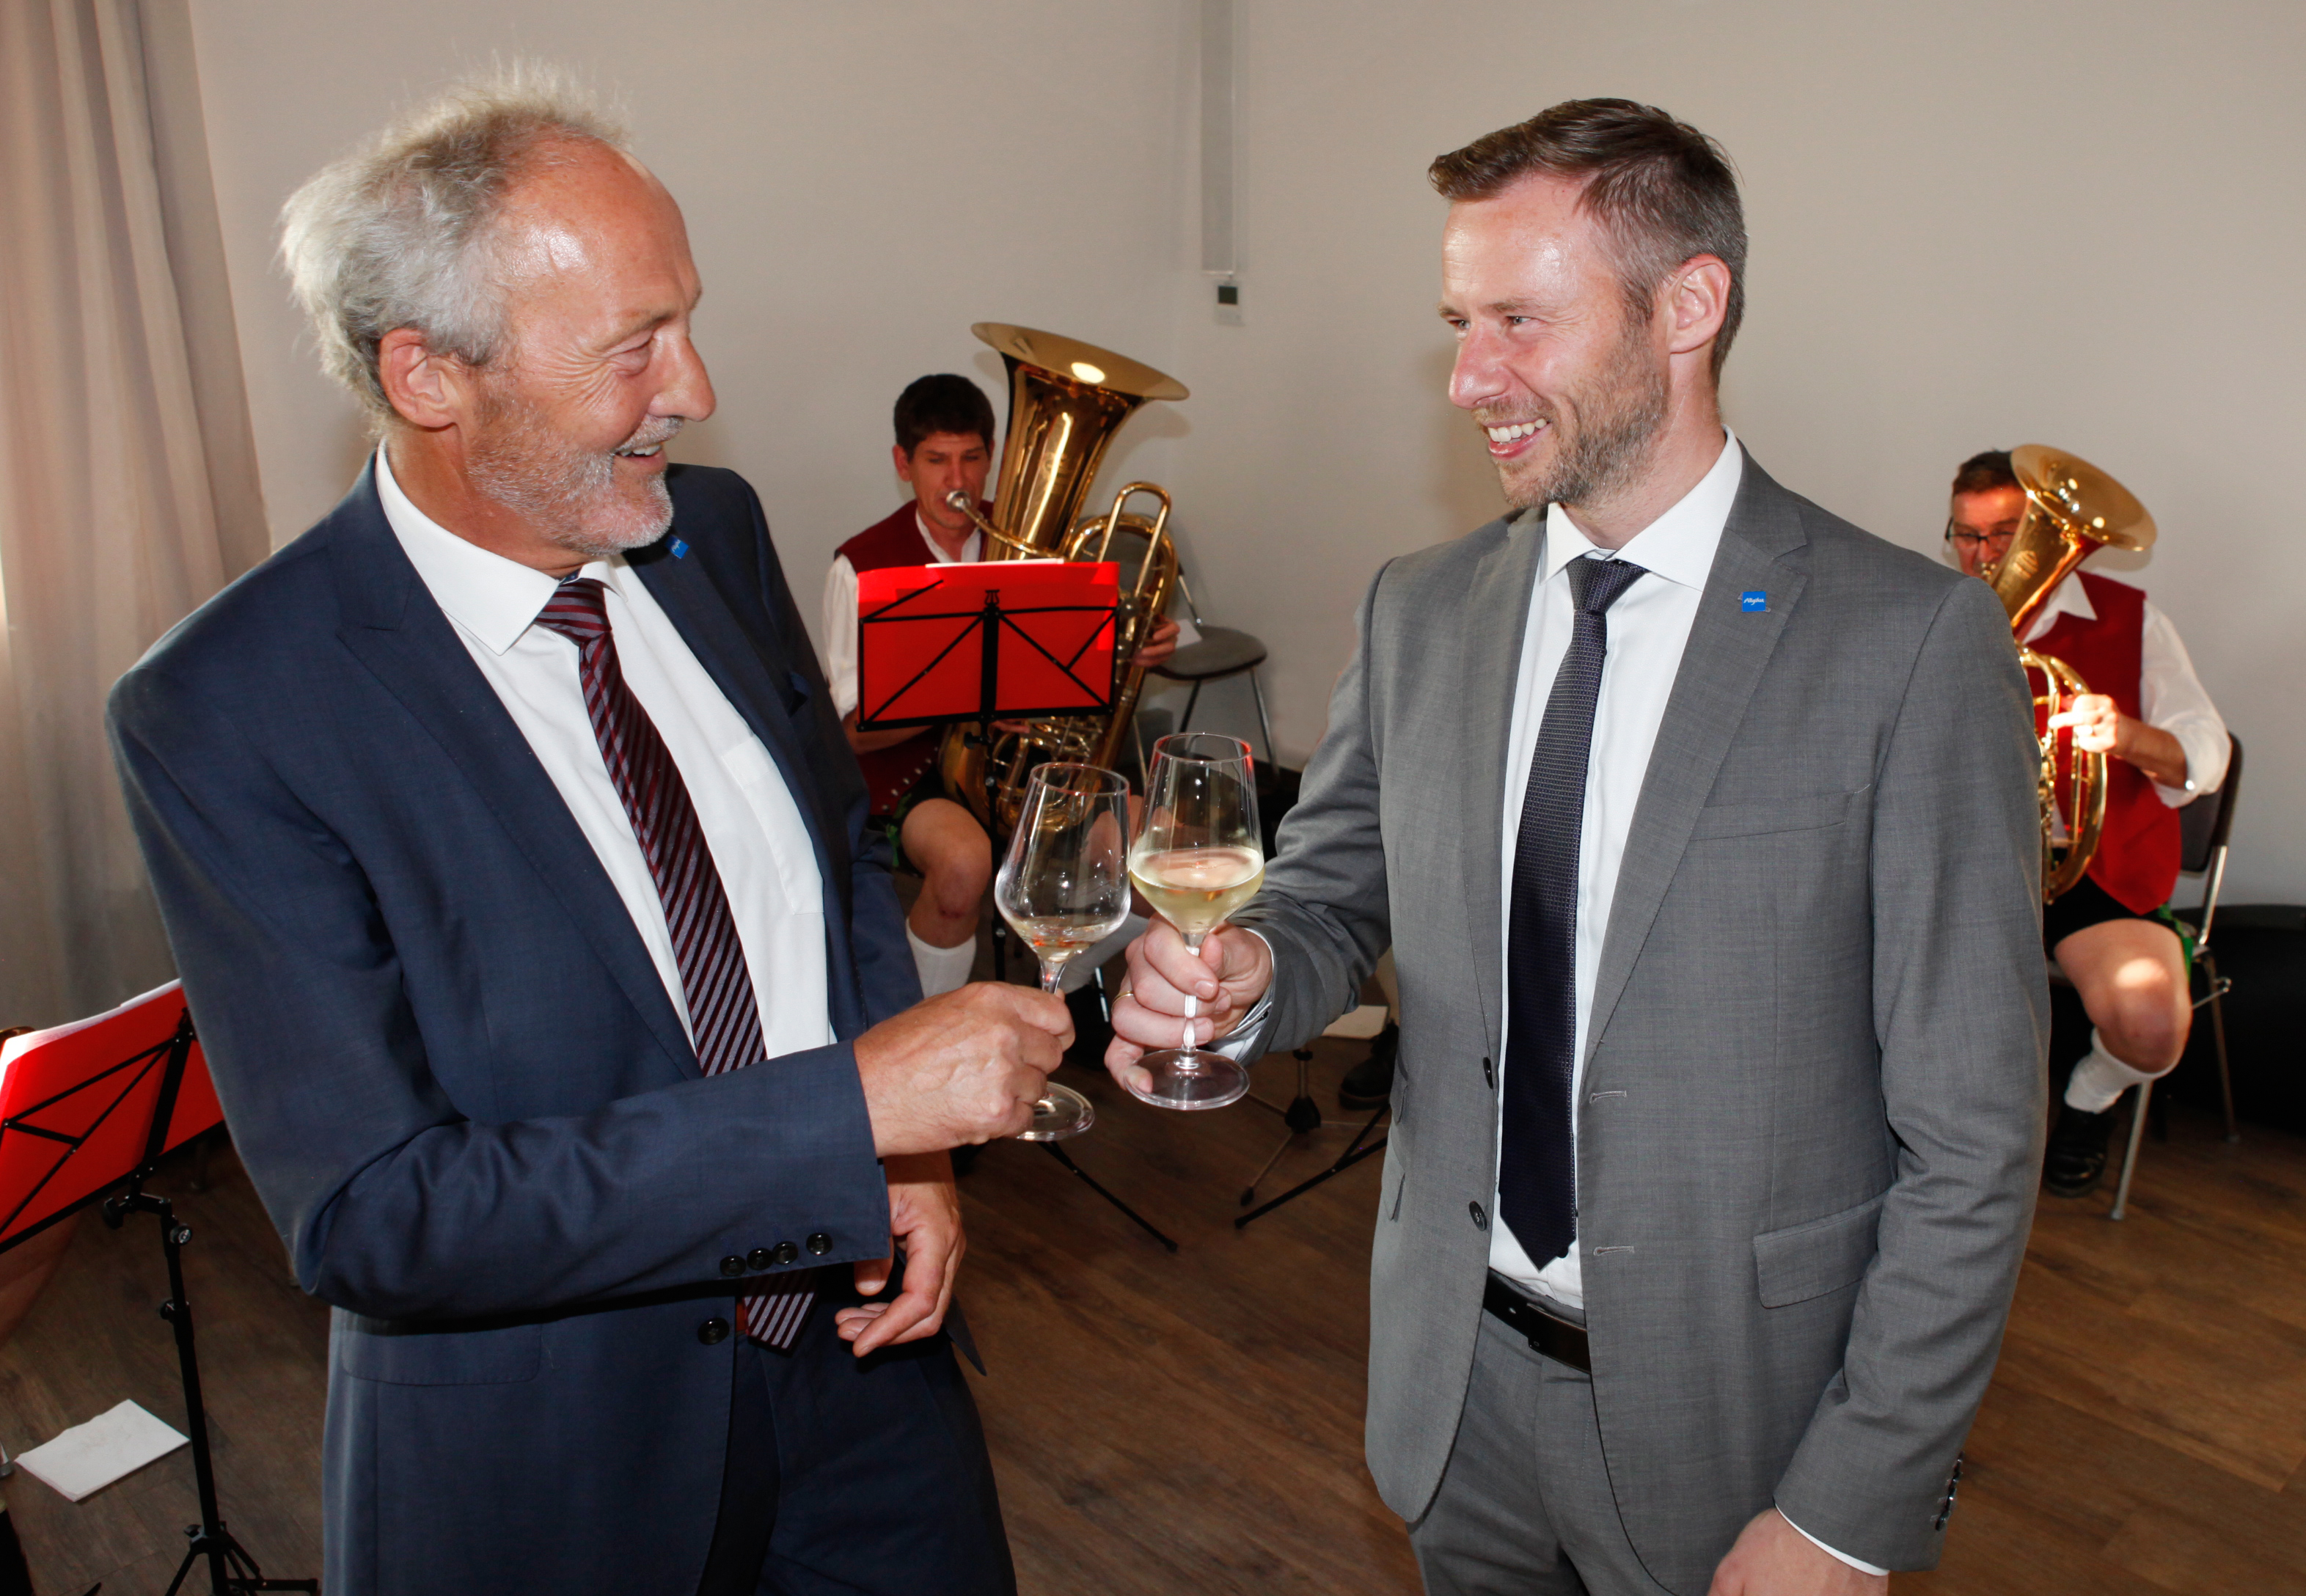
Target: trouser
(856,1476)
(1525,1506)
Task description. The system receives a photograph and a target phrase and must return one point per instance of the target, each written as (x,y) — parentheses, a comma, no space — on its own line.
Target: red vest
(890,772)
(2136,860)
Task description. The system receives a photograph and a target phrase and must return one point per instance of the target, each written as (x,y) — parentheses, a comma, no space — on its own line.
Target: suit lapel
(1721,665)
(685,590)
(1494,620)
(396,630)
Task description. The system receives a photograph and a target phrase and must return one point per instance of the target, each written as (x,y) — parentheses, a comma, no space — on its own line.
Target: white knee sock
(2100,1078)
(942,969)
(1079,972)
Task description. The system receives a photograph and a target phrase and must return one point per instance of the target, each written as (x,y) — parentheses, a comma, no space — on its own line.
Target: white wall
(1973,225)
(861,182)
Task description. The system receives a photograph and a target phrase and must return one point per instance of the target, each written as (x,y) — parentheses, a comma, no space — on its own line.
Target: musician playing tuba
(2166,745)
(944,442)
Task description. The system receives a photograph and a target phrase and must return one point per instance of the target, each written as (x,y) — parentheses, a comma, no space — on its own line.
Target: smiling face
(569,422)
(1569,390)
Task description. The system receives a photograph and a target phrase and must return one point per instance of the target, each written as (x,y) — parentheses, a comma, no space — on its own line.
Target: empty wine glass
(1064,887)
(1196,858)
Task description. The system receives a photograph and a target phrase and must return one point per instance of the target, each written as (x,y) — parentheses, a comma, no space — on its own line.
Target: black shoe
(2076,1156)
(1092,1031)
(1370,1083)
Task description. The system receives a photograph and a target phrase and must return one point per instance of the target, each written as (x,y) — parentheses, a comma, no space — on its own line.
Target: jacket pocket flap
(394,1354)
(1818,1256)
(1806,811)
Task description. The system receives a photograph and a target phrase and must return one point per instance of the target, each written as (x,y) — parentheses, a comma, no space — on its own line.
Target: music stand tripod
(231,1569)
(1304,1116)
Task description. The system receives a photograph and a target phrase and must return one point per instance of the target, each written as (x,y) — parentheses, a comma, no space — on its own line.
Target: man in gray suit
(1702,826)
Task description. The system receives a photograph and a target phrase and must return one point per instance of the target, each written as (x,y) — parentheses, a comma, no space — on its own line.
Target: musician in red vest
(2166,745)
(944,442)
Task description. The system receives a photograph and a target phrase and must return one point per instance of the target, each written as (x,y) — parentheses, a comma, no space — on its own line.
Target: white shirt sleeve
(1839,1555)
(840,634)
(2171,698)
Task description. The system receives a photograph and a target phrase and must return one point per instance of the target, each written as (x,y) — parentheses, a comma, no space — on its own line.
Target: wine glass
(1064,887)
(1196,859)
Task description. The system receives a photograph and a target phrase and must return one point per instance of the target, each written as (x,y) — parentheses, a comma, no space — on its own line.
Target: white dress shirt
(760,845)
(2170,696)
(1648,627)
(840,615)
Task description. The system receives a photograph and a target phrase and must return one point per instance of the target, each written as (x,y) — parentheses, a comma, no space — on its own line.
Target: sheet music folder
(84,1106)
(986,640)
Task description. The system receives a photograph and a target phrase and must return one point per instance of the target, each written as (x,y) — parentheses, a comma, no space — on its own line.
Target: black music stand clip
(231,1569)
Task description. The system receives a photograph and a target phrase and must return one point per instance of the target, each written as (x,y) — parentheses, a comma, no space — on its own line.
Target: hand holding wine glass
(1064,887)
(1198,857)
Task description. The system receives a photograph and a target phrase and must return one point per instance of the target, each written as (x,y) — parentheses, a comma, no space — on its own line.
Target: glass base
(1059,1112)
(1191,1079)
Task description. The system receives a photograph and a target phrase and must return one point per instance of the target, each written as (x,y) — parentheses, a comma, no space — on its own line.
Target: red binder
(979,642)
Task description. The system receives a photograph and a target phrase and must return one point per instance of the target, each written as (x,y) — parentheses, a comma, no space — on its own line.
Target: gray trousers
(1524,1508)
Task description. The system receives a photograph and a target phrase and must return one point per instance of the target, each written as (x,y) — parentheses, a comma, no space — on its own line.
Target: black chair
(1220,652)
(2204,826)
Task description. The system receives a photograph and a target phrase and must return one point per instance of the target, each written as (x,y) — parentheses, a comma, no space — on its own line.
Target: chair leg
(2129,1155)
(2218,1035)
(1264,725)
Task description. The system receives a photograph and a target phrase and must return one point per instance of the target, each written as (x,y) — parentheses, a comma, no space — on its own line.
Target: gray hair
(402,231)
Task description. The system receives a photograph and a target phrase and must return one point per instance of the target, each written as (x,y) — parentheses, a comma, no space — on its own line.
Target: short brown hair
(944,403)
(1661,190)
(1985,471)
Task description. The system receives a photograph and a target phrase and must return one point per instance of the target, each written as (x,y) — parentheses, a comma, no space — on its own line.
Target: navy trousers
(854,1476)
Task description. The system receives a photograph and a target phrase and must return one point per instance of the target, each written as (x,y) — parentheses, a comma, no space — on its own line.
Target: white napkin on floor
(86,1458)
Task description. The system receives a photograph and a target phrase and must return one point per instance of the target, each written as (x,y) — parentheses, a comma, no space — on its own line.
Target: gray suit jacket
(1808,1137)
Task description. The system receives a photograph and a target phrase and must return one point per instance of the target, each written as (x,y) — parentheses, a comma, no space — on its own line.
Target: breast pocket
(1798,811)
(395,1355)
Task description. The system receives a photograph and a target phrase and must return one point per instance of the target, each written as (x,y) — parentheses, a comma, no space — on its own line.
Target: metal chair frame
(2204,855)
(1256,688)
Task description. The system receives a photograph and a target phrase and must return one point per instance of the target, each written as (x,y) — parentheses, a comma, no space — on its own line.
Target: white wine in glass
(1198,857)
(1065,888)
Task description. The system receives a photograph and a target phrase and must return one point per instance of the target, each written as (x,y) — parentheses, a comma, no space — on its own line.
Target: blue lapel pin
(1752,601)
(680,551)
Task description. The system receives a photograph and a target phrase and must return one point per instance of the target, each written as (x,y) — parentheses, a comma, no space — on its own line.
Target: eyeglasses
(1970,537)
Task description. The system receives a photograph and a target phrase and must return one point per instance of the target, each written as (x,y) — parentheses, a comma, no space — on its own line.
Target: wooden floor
(1192,1423)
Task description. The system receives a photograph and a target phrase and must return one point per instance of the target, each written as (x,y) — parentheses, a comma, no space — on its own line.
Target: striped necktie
(1537,1163)
(724,1017)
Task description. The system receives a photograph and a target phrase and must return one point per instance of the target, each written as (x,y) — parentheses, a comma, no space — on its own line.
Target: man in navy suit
(559,999)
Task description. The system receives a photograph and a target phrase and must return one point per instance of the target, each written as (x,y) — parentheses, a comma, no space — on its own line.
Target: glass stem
(1050,976)
(1193,999)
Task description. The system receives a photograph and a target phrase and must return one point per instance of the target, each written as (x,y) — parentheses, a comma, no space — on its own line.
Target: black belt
(1548,1337)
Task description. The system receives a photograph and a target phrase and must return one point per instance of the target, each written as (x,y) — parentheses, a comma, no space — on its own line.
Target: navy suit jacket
(453,1072)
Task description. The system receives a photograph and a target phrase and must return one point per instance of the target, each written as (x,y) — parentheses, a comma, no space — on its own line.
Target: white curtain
(128,483)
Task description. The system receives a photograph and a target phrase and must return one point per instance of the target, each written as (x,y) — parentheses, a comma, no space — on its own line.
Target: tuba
(1067,399)
(2072,509)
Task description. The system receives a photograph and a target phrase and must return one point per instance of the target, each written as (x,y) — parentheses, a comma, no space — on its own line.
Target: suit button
(1490,1074)
(820,1243)
(1481,1219)
(784,1253)
(732,1265)
(758,1259)
(713,1332)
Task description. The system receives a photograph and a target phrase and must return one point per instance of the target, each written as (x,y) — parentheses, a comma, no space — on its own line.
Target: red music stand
(87,1111)
(984,641)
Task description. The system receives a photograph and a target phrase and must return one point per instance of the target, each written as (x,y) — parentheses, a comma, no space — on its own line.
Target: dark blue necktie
(1537,1164)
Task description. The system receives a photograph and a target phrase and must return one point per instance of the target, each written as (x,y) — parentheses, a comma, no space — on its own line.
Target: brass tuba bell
(2072,509)
(1067,399)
